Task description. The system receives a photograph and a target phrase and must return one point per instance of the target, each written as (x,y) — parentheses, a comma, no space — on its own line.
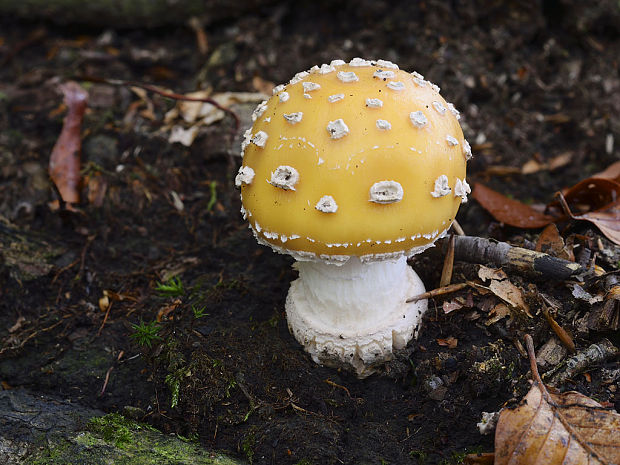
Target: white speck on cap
(260,138)
(293,118)
(337,129)
(467,150)
(307,95)
(278,88)
(396,85)
(435,87)
(335,98)
(259,110)
(326,69)
(310,86)
(337,63)
(284,96)
(454,111)
(417,75)
(285,177)
(347,76)
(418,119)
(383,74)
(387,64)
(298,77)
(419,82)
(386,192)
(359,62)
(451,141)
(461,189)
(244,176)
(438,106)
(374,103)
(327,204)
(383,124)
(441,187)
(247,138)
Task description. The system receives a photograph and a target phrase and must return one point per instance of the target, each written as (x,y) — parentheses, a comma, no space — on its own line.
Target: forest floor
(153,298)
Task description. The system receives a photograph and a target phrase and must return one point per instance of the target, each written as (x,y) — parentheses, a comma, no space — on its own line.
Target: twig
(439,291)
(105,382)
(331,383)
(105,318)
(559,331)
(448,264)
(163,93)
(35,333)
(581,362)
(486,251)
(457,228)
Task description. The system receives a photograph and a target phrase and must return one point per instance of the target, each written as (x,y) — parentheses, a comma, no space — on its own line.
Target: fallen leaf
(486,273)
(510,294)
(450,342)
(611,172)
(64,165)
(581,294)
(607,220)
(550,242)
(451,305)
(498,312)
(548,428)
(592,194)
(598,201)
(509,211)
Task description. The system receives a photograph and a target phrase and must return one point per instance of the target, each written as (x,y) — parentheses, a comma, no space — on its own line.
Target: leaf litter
(549,428)
(595,199)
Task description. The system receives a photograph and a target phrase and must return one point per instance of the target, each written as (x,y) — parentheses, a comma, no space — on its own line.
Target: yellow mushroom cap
(359,159)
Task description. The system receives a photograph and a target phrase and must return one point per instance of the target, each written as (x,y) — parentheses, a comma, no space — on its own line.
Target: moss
(116,439)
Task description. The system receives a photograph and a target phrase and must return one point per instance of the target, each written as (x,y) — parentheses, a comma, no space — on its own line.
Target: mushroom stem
(355,314)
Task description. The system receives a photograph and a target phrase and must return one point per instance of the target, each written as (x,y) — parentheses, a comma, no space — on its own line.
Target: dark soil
(533,80)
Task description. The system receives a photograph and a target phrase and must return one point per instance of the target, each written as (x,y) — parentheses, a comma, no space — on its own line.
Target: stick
(581,362)
(162,92)
(486,251)
(448,264)
(438,291)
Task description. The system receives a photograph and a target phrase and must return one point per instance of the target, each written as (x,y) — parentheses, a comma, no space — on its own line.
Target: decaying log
(525,261)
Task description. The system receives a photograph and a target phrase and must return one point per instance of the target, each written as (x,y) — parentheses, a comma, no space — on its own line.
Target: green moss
(118,440)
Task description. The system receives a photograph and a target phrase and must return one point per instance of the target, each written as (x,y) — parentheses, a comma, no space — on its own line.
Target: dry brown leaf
(451,305)
(449,342)
(509,211)
(611,172)
(596,200)
(548,428)
(510,294)
(607,220)
(498,312)
(64,166)
(486,273)
(550,242)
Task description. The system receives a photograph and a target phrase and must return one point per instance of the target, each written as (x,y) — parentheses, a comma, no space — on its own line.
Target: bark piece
(487,251)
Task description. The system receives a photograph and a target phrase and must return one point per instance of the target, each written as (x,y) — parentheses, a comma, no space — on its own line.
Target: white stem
(354,314)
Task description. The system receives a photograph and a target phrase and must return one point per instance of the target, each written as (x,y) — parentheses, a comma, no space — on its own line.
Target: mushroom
(351,182)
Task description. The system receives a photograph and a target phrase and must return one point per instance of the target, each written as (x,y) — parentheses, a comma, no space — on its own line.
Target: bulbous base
(353,316)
